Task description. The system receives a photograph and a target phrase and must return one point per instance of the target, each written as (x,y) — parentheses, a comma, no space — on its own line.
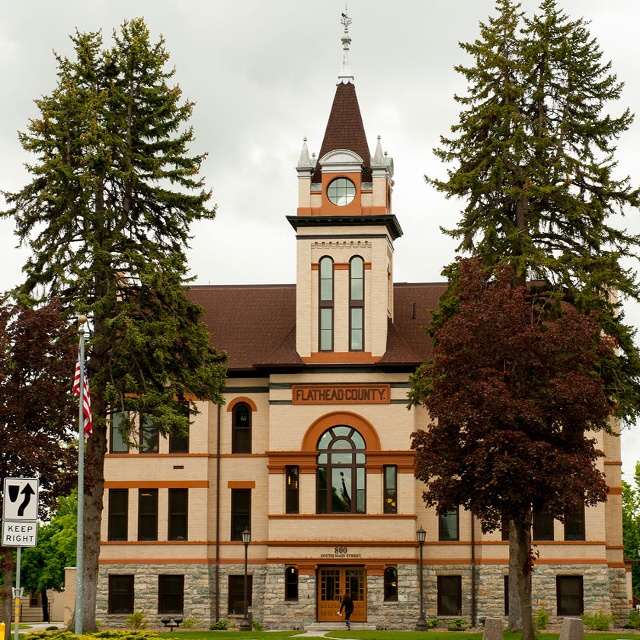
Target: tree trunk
(45,606)
(515,611)
(93,497)
(522,535)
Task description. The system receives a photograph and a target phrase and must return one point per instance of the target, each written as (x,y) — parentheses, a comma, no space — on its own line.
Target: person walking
(347,605)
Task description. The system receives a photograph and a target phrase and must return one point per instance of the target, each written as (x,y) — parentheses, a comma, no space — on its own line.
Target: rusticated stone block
(492,629)
(572,629)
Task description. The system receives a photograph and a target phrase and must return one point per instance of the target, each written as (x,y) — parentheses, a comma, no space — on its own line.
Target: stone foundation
(604,590)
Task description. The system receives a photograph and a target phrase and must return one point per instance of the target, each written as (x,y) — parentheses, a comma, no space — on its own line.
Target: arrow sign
(20,499)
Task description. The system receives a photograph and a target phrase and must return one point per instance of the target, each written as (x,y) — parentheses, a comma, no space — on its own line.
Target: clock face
(341,191)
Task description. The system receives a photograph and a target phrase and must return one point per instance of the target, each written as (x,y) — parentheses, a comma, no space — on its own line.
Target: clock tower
(345,231)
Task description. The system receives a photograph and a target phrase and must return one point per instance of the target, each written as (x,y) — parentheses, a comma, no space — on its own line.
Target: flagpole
(80,527)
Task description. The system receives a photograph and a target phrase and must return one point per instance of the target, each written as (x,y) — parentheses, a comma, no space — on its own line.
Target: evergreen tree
(107,216)
(533,156)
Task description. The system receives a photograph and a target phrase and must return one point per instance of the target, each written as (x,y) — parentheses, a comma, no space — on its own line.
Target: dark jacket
(347,605)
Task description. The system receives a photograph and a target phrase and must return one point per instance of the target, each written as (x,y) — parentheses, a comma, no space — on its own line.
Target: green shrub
(457,624)
(257,625)
(598,621)
(541,619)
(221,625)
(190,623)
(137,620)
(432,623)
(634,620)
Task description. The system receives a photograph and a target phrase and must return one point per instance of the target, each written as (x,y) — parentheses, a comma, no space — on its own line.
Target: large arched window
(356,304)
(325,304)
(341,471)
(241,428)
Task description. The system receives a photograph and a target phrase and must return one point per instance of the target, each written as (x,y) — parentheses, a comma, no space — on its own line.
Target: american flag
(86,398)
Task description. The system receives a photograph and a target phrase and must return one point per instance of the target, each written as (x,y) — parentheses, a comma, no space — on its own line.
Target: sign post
(19,525)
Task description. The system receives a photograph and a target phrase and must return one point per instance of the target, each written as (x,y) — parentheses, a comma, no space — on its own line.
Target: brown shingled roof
(345,130)
(255,324)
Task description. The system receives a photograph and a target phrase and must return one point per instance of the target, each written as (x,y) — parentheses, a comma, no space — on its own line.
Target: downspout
(217,570)
(473,572)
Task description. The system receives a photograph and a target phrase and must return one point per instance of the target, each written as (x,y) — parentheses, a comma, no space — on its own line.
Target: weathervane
(345,74)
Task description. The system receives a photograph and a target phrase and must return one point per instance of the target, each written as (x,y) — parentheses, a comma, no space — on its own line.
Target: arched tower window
(241,428)
(356,304)
(341,471)
(325,304)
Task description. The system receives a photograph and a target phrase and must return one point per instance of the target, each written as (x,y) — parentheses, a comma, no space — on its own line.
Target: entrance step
(338,626)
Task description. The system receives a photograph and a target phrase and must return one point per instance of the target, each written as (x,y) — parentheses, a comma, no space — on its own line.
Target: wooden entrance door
(332,583)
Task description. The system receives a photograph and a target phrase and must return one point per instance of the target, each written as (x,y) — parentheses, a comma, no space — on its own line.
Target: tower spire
(345,76)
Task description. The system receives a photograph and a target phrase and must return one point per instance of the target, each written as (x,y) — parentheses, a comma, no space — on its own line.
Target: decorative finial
(345,75)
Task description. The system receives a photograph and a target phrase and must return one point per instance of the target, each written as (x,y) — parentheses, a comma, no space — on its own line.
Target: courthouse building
(311,451)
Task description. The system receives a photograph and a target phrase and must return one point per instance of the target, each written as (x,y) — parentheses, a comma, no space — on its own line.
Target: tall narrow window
(170,594)
(179,442)
(292,475)
(118,514)
(390,478)
(291,583)
(241,428)
(240,512)
(341,471)
(542,526)
(356,304)
(237,605)
(390,584)
(119,442)
(149,439)
(178,514)
(448,526)
(449,595)
(569,595)
(147,514)
(574,526)
(326,304)
(120,594)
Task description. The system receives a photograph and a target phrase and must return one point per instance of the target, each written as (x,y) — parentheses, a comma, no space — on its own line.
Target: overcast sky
(263,77)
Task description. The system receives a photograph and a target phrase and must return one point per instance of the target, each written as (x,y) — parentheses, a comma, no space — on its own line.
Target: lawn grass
(623,634)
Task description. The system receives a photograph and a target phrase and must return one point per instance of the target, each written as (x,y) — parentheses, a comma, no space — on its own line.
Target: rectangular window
(542,526)
(357,329)
(449,595)
(569,595)
(149,439)
(240,512)
(119,442)
(292,492)
(574,528)
(179,443)
(448,526)
(118,522)
(237,604)
(147,514)
(120,594)
(326,329)
(178,514)
(390,479)
(170,594)
(290,583)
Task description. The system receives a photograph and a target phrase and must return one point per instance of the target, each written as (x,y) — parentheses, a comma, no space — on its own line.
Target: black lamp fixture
(421,625)
(245,625)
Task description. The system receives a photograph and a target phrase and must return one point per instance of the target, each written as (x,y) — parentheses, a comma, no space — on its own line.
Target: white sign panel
(19,533)
(20,499)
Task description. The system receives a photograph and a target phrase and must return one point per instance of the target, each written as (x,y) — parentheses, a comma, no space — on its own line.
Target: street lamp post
(245,625)
(421,625)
